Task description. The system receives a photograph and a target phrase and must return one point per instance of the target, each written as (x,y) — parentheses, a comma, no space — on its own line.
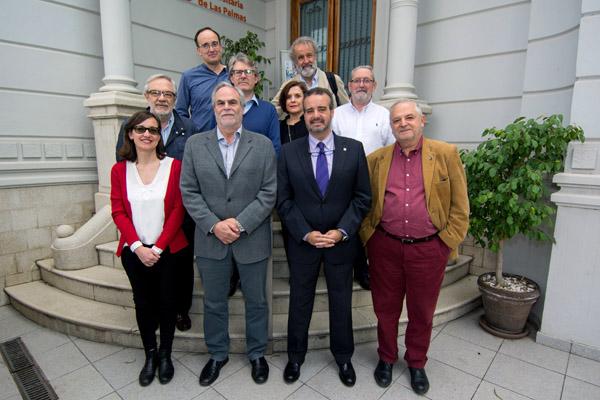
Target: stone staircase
(96,303)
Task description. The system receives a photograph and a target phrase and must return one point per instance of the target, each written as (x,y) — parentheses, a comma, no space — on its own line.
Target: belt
(406,240)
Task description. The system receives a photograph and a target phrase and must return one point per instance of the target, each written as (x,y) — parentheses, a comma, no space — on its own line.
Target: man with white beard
(303,53)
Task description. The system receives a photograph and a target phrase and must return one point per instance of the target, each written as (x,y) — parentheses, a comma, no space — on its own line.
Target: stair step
(109,323)
(111,285)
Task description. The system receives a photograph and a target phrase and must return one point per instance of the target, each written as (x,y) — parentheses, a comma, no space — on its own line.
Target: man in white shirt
(369,123)
(362,119)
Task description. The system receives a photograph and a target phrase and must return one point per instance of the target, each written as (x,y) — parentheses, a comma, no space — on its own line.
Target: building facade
(73,70)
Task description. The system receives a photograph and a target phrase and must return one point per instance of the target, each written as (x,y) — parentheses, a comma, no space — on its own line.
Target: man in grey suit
(229,184)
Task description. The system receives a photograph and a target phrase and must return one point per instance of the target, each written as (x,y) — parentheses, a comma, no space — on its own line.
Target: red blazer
(172,235)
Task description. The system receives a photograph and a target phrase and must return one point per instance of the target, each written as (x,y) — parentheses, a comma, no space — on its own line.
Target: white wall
(51,61)
(469,64)
(51,54)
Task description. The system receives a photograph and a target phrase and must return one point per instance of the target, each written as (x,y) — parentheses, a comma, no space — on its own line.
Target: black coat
(303,209)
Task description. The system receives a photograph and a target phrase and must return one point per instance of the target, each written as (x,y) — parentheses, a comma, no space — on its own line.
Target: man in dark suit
(322,196)
(229,185)
(160,93)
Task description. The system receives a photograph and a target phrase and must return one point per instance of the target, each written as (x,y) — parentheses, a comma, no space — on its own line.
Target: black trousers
(303,281)
(185,269)
(154,295)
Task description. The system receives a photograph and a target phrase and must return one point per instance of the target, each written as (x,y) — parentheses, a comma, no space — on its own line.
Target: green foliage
(249,45)
(506,178)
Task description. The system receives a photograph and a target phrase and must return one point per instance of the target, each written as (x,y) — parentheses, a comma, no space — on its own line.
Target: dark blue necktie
(322,172)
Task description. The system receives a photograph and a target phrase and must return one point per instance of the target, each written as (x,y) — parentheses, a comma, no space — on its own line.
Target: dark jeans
(154,296)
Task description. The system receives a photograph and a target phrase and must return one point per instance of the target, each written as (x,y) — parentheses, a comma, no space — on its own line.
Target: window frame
(333,29)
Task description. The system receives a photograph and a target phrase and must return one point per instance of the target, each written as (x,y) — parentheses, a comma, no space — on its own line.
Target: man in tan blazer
(419,214)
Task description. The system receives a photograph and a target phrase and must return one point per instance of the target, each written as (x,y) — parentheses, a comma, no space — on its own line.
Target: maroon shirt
(404,205)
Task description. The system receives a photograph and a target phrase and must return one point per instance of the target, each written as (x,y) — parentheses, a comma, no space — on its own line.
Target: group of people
(202,169)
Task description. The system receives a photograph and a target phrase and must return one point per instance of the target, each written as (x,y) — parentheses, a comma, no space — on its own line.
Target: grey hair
(243,58)
(402,101)
(302,40)
(160,76)
(223,84)
(370,68)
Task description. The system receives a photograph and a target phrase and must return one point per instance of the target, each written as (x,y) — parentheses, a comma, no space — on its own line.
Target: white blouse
(148,201)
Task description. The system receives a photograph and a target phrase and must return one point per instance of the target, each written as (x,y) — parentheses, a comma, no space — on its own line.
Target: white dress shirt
(371,126)
(148,201)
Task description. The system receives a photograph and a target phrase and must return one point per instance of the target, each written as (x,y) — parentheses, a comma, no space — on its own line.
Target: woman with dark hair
(148,211)
(290,101)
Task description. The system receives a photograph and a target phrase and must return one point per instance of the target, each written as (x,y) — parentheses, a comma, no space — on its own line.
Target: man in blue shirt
(196,84)
(259,115)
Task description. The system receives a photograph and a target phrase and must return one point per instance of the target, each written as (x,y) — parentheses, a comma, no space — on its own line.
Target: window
(343,30)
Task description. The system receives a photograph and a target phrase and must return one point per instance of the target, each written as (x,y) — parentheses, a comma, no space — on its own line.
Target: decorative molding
(32,161)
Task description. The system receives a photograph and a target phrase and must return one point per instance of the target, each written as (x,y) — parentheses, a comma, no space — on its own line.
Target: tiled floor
(464,363)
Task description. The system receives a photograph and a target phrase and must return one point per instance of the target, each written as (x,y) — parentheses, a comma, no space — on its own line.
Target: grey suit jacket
(248,195)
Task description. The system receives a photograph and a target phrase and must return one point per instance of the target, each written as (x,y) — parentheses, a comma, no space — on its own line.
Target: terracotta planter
(506,312)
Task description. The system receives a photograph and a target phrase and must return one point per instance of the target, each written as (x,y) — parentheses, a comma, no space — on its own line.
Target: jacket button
(229,199)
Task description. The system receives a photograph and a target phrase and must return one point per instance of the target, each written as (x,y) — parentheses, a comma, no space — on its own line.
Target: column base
(117,83)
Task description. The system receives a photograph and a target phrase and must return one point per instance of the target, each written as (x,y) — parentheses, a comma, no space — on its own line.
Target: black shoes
(291,373)
(149,369)
(183,322)
(260,370)
(210,372)
(383,373)
(165,367)
(418,380)
(347,374)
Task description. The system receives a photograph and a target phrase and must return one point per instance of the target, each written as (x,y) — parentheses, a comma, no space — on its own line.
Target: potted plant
(249,45)
(507,177)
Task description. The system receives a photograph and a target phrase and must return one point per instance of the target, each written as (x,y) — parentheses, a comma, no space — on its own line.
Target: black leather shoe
(210,372)
(347,374)
(418,380)
(165,367)
(149,369)
(234,281)
(260,370)
(363,281)
(291,373)
(183,322)
(383,373)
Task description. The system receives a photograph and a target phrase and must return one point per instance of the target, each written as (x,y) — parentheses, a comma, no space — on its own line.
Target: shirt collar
(221,137)
(248,104)
(416,149)
(364,108)
(169,124)
(328,141)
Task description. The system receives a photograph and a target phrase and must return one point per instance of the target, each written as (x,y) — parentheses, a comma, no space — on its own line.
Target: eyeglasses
(365,81)
(208,45)
(239,72)
(141,129)
(156,93)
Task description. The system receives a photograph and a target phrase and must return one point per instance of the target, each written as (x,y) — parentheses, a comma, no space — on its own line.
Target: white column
(401,50)
(570,318)
(116,46)
(401,45)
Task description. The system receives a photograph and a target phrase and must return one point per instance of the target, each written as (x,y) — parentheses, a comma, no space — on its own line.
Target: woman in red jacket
(148,211)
